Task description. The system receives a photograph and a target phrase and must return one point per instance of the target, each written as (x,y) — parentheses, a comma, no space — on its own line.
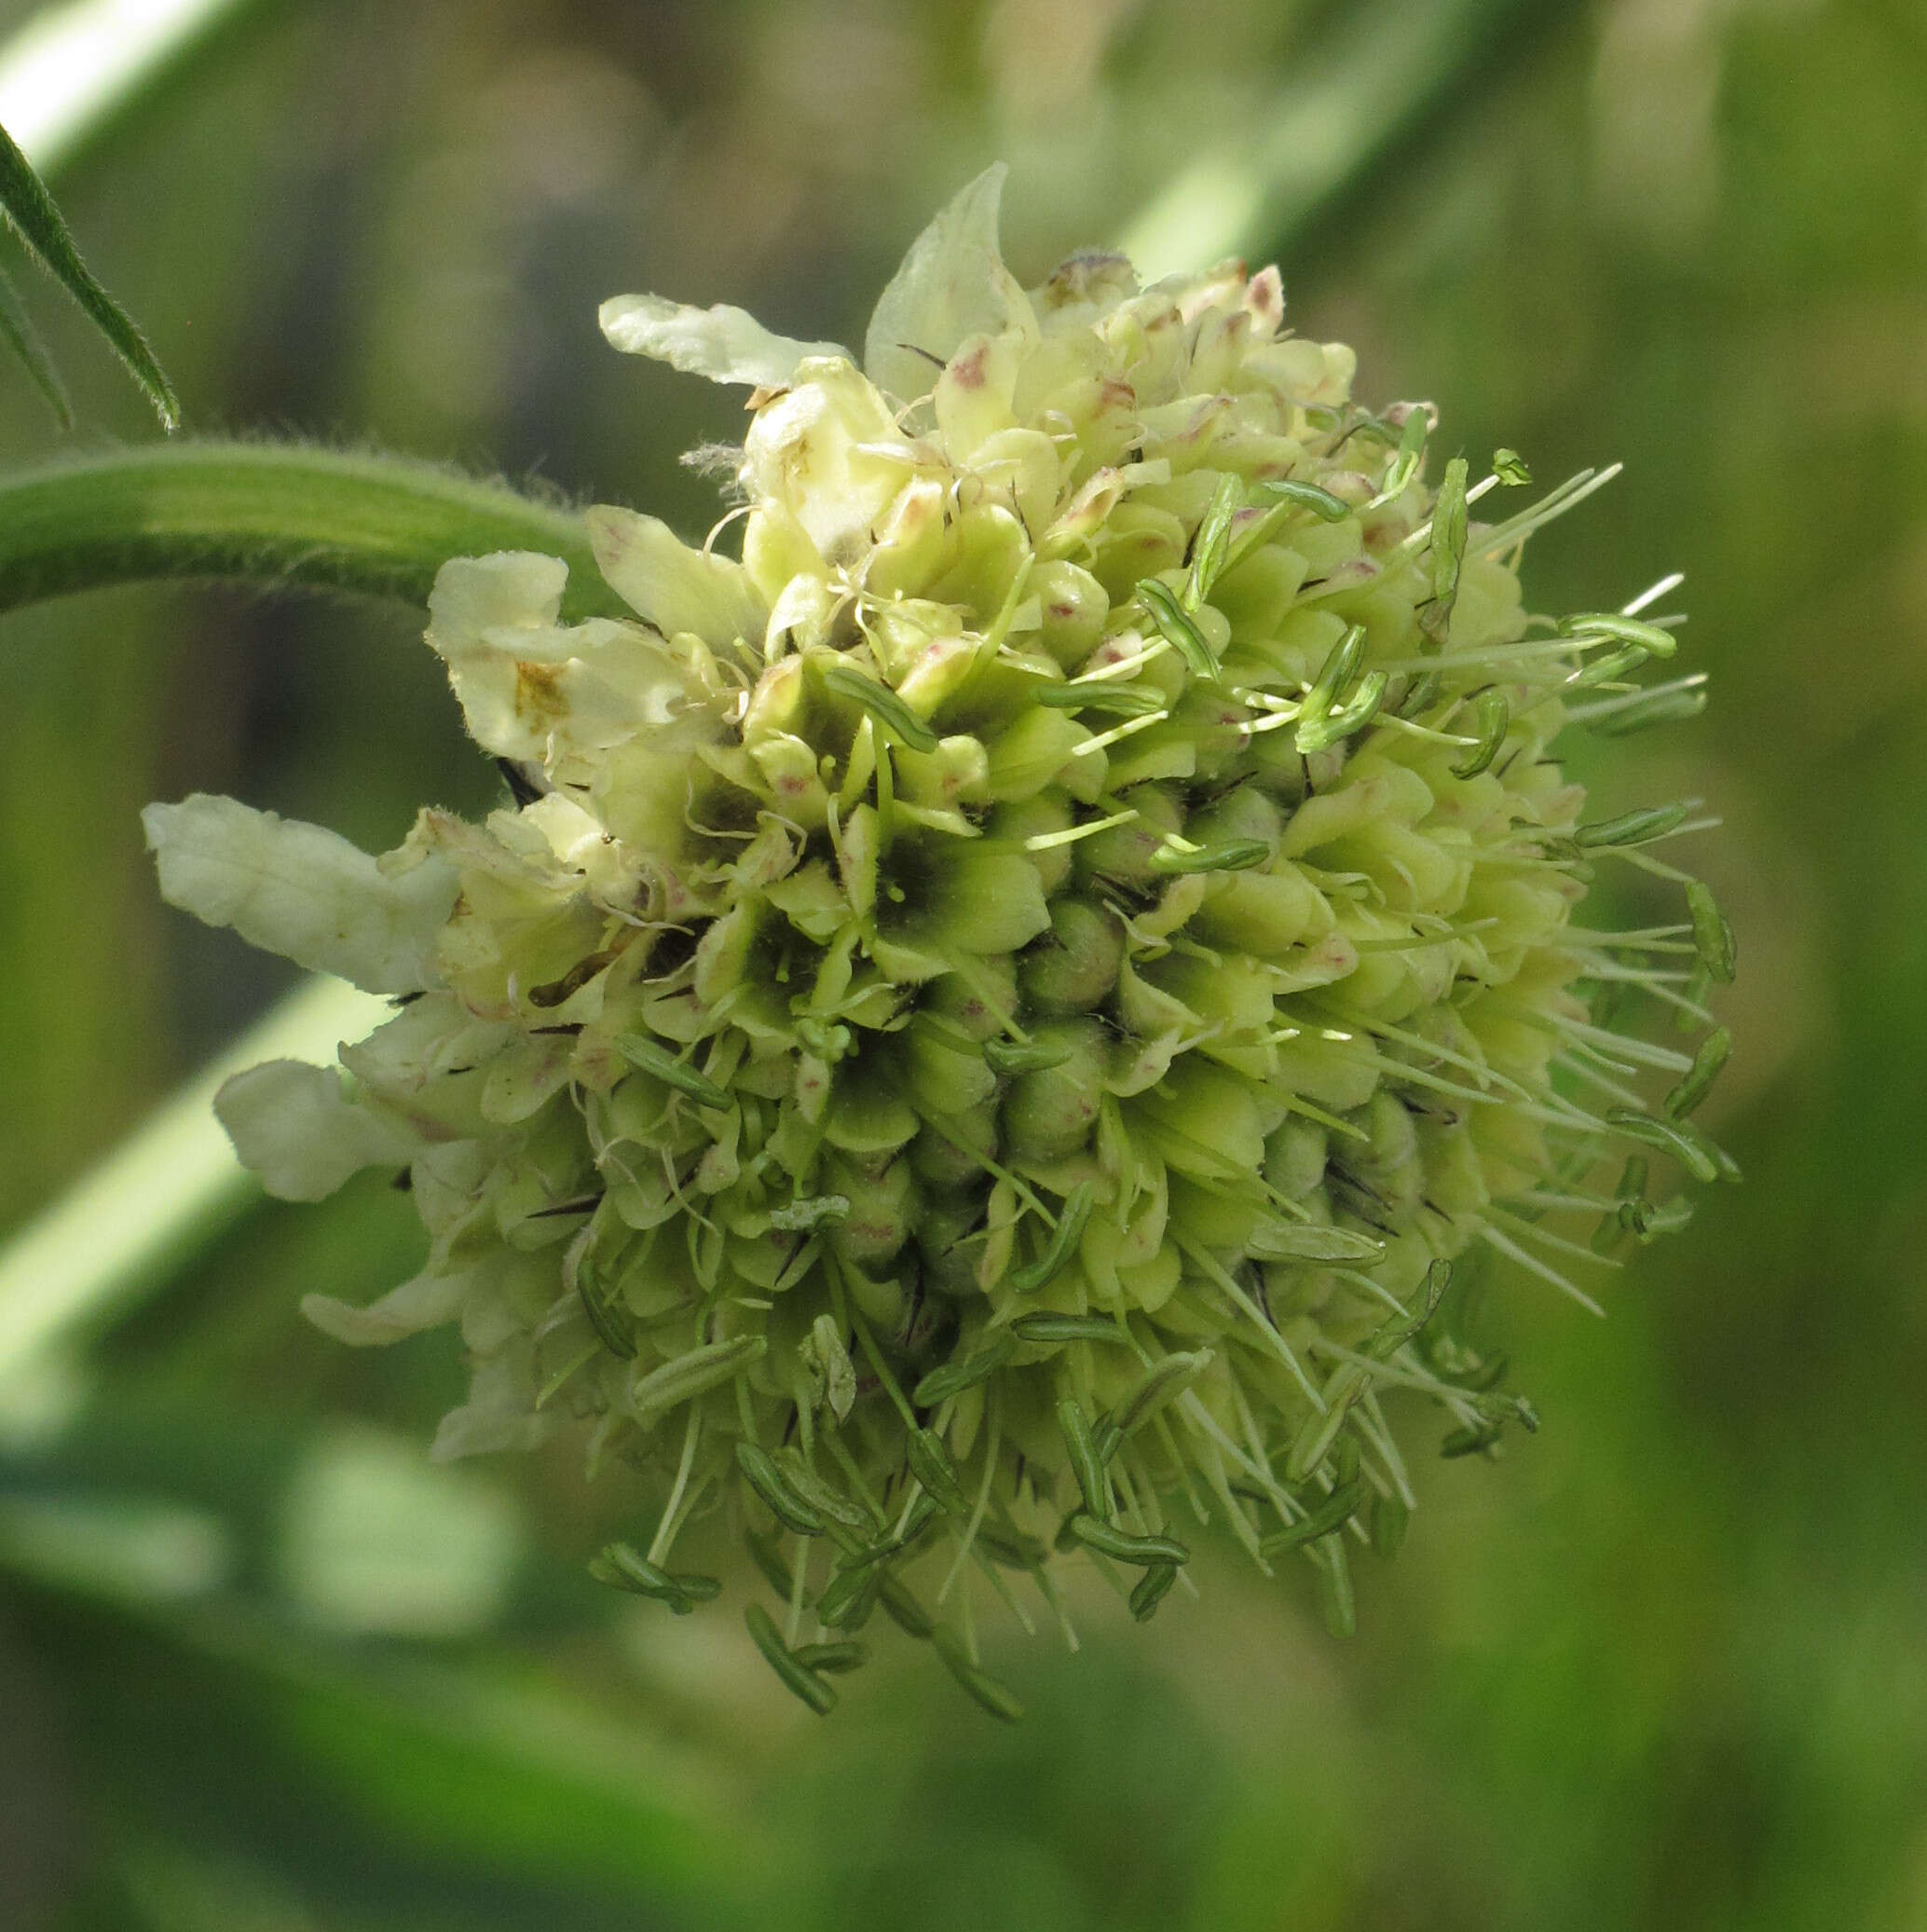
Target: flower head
(997,1016)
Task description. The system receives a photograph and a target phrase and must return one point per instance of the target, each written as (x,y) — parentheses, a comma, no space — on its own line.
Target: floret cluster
(991,1022)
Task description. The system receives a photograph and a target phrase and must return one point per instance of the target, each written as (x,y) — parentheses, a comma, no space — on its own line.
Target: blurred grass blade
(24,340)
(126,1549)
(31,212)
(361,1770)
(69,69)
(271,514)
(118,1232)
(1374,78)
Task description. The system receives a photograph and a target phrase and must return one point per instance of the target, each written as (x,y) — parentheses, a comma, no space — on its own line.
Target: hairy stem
(271,514)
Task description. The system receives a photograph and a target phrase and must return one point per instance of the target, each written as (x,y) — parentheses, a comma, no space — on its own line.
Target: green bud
(1050,1113)
(1074,964)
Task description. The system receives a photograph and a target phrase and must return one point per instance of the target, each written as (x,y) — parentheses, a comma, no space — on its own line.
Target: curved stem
(271,514)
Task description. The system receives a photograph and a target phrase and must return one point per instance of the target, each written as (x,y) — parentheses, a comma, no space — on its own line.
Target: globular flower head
(999,1013)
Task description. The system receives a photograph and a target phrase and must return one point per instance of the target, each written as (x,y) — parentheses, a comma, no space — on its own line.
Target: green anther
(1308,495)
(641,1051)
(1624,630)
(1494,717)
(1612,1230)
(1675,1138)
(1470,1441)
(832,1358)
(1321,733)
(923,1511)
(1177,627)
(1160,1385)
(1029,1056)
(994,1697)
(1509,466)
(953,1377)
(1151,1589)
(604,1318)
(1672,1217)
(1388,1518)
(624,1567)
(700,1370)
(826,1499)
(1411,452)
(1212,542)
(868,1555)
(904,1610)
(1480,1373)
(1069,1328)
(1340,667)
(1348,1384)
(1695,1084)
(1107,1540)
(1111,700)
(1387,1341)
(1306,1241)
(1420,695)
(768,1559)
(932,1465)
(850,1596)
(1628,1217)
(1639,828)
(1064,1238)
(1233,855)
(769,1482)
(796,1676)
(883,706)
(1087,1465)
(1605,670)
(1332,1513)
(1510,1408)
(837,1658)
(1660,707)
(1713,938)
(1448,550)
(1336,1603)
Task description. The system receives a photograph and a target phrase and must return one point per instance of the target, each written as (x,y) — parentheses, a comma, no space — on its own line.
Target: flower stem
(271,514)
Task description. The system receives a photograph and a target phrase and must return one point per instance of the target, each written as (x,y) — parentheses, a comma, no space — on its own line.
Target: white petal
(726,345)
(670,585)
(292,1124)
(301,891)
(499,1413)
(539,690)
(426,1302)
(519,589)
(952,285)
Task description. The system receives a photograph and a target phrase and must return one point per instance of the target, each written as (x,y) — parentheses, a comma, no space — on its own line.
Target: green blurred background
(263,1669)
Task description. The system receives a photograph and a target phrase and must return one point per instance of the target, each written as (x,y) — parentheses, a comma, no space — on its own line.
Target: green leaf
(24,340)
(31,213)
